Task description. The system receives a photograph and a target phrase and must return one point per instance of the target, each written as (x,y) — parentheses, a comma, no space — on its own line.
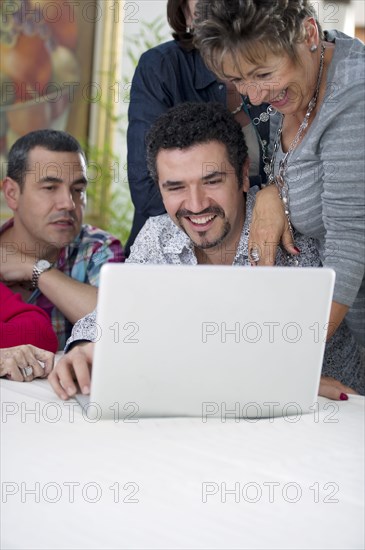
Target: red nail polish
(296,249)
(343,397)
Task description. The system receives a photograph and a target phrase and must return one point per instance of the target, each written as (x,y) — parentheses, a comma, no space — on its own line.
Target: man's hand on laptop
(333,389)
(73,369)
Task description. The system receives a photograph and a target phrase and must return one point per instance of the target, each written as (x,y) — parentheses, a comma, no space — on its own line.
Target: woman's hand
(332,389)
(269,226)
(21,363)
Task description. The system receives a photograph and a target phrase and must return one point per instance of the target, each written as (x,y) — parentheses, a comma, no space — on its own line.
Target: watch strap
(36,273)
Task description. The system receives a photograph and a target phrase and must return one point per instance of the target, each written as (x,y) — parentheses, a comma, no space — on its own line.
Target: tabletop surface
(72,483)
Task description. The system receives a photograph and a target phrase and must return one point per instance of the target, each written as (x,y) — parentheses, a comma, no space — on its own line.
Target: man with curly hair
(197,155)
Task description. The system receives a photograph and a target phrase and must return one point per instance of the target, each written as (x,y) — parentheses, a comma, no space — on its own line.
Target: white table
(69,483)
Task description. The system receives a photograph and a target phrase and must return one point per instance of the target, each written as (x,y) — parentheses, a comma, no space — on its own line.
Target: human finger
(45,357)
(9,368)
(19,356)
(333,389)
(53,379)
(32,368)
(73,365)
(288,242)
(267,226)
(61,378)
(82,371)
(264,253)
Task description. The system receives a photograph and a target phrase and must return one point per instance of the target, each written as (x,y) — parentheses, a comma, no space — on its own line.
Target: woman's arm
(269,227)
(343,196)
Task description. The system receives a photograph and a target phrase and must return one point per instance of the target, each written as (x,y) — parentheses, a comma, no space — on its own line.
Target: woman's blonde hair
(249,27)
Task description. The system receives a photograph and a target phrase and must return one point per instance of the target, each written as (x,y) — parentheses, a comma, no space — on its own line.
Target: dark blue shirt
(165,76)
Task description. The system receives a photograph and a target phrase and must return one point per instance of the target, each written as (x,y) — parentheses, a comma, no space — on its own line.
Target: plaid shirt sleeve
(96,248)
(109,251)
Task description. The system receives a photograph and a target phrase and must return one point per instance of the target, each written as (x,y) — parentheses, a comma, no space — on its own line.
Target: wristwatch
(39,267)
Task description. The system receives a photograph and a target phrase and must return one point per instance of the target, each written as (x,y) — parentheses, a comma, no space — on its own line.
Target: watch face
(43,264)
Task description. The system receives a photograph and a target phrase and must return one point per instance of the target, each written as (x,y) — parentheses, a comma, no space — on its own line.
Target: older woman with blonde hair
(275,51)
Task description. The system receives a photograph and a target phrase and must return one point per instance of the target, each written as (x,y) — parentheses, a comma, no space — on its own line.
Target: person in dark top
(167,75)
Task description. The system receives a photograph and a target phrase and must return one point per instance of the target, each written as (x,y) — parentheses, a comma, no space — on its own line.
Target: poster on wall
(46,57)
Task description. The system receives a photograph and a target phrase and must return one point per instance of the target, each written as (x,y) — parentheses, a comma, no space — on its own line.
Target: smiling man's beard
(216,211)
(205,245)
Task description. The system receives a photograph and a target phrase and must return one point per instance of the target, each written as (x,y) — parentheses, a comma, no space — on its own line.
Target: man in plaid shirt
(47,254)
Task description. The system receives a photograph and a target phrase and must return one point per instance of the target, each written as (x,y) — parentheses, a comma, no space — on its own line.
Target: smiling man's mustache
(215,210)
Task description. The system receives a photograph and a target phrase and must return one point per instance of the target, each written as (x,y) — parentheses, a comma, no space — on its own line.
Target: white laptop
(209,341)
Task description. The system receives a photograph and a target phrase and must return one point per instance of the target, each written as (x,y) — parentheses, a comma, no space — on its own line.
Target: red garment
(22,323)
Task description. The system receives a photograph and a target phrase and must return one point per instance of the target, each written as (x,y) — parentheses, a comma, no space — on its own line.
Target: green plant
(110,206)
(149,35)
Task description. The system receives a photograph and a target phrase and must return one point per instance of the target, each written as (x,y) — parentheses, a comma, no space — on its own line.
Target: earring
(313,48)
(188,30)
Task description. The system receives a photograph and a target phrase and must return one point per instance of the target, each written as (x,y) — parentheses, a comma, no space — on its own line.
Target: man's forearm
(72,298)
(85,330)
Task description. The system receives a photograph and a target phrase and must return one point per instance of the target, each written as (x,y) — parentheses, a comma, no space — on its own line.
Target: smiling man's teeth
(201,221)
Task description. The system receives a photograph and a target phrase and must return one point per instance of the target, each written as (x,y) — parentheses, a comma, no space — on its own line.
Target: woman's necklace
(237,110)
(279,180)
(264,117)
